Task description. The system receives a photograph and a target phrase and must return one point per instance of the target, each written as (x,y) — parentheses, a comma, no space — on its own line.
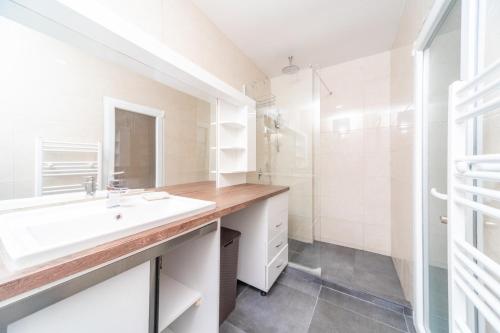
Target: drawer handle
(279,266)
(281,243)
(278,225)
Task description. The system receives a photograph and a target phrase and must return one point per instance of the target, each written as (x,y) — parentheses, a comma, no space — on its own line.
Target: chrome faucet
(90,186)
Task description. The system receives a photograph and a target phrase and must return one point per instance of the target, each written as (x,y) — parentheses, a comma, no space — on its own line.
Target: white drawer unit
(263,252)
(276,245)
(276,266)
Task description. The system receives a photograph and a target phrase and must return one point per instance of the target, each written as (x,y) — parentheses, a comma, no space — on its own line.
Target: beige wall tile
(342,232)
(377,238)
(355,154)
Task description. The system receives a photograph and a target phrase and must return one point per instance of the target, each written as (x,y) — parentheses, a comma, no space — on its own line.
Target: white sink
(31,237)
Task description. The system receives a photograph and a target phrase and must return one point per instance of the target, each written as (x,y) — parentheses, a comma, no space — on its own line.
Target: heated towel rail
(61,167)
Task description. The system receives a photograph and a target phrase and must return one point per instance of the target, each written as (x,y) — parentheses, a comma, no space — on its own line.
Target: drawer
(276,245)
(276,267)
(277,204)
(277,224)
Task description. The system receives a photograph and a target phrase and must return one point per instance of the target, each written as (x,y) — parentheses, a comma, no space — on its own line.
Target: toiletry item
(155,196)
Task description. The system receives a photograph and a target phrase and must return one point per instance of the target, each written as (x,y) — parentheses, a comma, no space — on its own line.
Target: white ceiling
(318,32)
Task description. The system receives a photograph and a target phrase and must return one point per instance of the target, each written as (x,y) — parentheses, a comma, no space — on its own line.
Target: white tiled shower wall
(354,155)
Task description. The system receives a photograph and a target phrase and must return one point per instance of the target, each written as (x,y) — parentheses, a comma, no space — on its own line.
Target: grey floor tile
(240,288)
(283,310)
(379,285)
(296,246)
(302,282)
(308,255)
(351,268)
(372,311)
(410,324)
(333,319)
(227,327)
(373,262)
(337,267)
(375,273)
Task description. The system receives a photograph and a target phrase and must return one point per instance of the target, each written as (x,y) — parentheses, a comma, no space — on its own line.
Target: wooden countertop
(228,200)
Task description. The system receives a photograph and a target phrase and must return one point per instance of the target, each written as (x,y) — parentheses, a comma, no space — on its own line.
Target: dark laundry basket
(229,243)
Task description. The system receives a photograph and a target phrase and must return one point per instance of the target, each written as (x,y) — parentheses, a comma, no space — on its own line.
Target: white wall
(354,154)
(52,90)
(185,28)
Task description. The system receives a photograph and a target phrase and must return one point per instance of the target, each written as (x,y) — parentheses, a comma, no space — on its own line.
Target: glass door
(441,68)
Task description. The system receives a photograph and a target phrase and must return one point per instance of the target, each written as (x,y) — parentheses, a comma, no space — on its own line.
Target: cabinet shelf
(175,299)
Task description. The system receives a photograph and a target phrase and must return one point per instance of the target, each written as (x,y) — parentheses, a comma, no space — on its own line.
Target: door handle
(443,219)
(438,195)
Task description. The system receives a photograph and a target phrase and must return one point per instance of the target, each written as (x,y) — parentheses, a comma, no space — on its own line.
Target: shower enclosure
(286,119)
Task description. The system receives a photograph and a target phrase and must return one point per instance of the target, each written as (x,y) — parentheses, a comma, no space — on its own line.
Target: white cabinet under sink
(185,286)
(189,287)
(119,304)
(263,252)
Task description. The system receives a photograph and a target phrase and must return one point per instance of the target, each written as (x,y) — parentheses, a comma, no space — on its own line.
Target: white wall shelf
(236,142)
(175,299)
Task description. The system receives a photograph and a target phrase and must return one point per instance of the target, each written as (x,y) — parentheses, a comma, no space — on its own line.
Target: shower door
(470,174)
(285,148)
(441,68)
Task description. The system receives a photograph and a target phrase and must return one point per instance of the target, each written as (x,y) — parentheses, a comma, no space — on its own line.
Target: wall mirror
(69,115)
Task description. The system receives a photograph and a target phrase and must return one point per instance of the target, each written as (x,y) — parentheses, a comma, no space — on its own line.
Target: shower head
(291,68)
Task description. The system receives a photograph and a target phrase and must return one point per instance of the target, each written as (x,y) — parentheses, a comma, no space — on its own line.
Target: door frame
(468,67)
(110,106)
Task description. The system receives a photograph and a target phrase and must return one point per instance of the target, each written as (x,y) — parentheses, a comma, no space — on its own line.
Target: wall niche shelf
(175,299)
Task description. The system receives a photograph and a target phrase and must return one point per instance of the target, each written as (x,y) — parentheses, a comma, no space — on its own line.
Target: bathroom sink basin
(34,236)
